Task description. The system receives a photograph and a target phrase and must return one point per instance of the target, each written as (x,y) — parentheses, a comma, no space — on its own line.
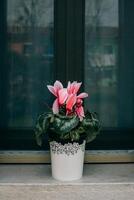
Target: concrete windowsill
(100,181)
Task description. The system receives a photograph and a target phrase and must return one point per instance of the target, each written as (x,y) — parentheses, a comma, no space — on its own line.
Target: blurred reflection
(30,59)
(101,58)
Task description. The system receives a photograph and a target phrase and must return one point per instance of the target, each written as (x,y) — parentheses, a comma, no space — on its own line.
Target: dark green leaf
(65,125)
(41,127)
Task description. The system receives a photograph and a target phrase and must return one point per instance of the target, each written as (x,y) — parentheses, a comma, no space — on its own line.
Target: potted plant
(68,129)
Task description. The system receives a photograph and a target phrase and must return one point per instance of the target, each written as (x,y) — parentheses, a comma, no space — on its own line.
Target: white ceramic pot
(67,160)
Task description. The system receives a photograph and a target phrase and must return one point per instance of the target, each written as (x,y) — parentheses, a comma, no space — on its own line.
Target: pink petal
(69,87)
(82,95)
(79,102)
(62,96)
(57,86)
(71,102)
(73,87)
(69,83)
(77,87)
(80,112)
(52,90)
(55,107)
(81,118)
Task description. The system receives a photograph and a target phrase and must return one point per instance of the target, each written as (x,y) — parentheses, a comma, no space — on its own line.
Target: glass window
(101,58)
(42,40)
(29,61)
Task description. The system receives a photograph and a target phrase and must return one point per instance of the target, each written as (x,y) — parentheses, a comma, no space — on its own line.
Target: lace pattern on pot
(69,148)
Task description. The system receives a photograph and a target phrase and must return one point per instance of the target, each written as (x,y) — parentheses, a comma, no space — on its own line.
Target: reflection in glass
(101,58)
(30,59)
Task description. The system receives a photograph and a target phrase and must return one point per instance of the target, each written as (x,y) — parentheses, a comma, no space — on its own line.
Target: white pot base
(65,179)
(67,161)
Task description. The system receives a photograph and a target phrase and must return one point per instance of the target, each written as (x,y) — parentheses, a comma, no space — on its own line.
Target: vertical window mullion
(60,39)
(75,40)
(69,39)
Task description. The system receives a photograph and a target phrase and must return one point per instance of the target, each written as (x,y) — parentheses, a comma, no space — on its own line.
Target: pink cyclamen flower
(73,87)
(55,89)
(80,112)
(79,108)
(61,94)
(56,106)
(69,97)
(82,95)
(74,102)
(71,102)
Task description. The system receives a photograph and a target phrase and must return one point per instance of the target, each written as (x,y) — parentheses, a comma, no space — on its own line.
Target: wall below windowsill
(34,181)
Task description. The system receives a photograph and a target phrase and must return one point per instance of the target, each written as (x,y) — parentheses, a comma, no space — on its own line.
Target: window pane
(101,58)
(30,59)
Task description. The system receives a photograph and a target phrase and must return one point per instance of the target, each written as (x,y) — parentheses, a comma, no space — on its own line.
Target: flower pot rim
(67,148)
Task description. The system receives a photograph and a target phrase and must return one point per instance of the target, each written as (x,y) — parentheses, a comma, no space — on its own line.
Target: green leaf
(67,128)
(42,125)
(75,136)
(92,126)
(64,125)
(64,136)
(91,136)
(38,137)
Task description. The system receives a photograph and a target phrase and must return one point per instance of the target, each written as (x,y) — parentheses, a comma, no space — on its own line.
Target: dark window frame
(69,55)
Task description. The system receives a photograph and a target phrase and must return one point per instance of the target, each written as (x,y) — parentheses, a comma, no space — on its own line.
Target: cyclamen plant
(67,122)
(68,98)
